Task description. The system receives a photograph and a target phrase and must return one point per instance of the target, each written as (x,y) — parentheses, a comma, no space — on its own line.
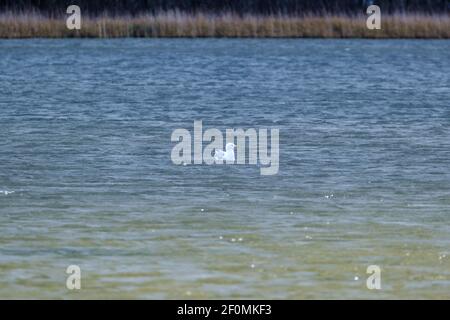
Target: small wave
(6,192)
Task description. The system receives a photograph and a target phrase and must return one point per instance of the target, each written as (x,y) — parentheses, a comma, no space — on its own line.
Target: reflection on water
(87,179)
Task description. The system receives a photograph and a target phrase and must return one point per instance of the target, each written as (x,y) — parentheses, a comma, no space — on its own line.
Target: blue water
(86,176)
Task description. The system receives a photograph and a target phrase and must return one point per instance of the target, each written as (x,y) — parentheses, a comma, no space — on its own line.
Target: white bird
(228,155)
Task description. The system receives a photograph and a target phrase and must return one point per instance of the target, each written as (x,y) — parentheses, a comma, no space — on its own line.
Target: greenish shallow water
(87,179)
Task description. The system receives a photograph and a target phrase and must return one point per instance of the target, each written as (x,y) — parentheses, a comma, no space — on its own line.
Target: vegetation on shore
(182,24)
(227,18)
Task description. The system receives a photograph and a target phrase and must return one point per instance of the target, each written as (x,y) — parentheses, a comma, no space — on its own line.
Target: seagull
(228,155)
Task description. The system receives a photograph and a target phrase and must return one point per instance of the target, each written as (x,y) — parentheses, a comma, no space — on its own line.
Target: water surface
(86,176)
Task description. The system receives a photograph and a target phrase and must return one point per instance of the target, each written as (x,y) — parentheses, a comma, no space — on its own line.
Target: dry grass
(176,24)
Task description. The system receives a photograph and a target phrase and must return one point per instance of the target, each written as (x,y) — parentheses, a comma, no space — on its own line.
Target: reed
(179,24)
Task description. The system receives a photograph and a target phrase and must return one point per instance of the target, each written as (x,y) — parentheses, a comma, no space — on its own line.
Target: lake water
(86,176)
